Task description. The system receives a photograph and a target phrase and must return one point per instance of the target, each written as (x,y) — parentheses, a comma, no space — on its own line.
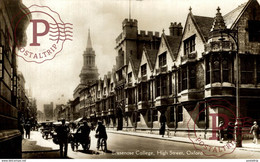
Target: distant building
(48,111)
(22,98)
(40,116)
(88,76)
(33,108)
(75,109)
(89,71)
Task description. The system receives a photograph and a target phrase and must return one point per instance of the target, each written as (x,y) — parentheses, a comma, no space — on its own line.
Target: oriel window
(158,87)
(144,90)
(180,113)
(225,68)
(216,69)
(171,114)
(207,70)
(192,76)
(184,78)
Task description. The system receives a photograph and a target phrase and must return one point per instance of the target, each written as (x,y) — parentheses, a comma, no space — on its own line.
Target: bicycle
(102,143)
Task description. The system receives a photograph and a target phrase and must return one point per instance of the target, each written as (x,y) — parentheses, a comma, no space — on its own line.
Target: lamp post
(234,35)
(152,79)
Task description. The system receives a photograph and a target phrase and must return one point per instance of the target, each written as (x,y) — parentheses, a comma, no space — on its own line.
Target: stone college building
(211,65)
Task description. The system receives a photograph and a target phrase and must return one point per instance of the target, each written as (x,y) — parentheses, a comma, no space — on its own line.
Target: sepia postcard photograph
(129,79)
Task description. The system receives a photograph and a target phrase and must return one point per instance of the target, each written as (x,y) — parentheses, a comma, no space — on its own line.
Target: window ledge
(218,84)
(249,86)
(186,91)
(161,97)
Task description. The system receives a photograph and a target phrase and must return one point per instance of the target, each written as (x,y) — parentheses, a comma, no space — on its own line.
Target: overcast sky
(60,76)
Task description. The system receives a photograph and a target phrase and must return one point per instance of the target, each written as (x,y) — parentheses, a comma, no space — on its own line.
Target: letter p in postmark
(46,34)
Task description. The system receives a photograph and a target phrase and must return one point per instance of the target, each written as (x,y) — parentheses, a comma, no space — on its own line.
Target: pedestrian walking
(62,135)
(221,131)
(162,121)
(254,130)
(27,129)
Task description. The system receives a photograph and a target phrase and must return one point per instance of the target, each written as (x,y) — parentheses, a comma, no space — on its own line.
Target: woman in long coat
(162,121)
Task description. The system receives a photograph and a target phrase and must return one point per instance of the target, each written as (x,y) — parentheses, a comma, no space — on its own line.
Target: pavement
(35,148)
(39,148)
(247,145)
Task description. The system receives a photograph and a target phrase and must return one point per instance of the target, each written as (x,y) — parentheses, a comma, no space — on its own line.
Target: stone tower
(89,71)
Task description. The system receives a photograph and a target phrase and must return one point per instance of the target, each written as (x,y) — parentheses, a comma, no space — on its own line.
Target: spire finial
(89,44)
(218,23)
(163,30)
(190,9)
(218,9)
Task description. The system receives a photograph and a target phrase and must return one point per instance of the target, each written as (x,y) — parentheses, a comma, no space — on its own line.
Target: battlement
(130,22)
(142,33)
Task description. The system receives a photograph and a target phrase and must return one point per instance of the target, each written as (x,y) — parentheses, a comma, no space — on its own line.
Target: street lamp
(136,108)
(152,106)
(234,35)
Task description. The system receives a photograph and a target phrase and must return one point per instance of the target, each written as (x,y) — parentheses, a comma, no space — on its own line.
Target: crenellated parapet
(145,34)
(130,22)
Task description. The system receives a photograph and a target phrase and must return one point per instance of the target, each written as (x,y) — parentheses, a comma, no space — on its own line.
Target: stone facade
(189,75)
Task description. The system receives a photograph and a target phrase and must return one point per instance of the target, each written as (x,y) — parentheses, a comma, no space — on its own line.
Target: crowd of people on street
(81,134)
(27,127)
(82,131)
(230,131)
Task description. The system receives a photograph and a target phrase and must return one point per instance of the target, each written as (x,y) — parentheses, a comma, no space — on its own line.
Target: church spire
(89,44)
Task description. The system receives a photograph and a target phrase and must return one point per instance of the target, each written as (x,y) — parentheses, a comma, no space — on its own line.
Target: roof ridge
(203,16)
(237,8)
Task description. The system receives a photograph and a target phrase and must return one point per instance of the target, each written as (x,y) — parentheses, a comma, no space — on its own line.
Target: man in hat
(254,130)
(62,134)
(101,131)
